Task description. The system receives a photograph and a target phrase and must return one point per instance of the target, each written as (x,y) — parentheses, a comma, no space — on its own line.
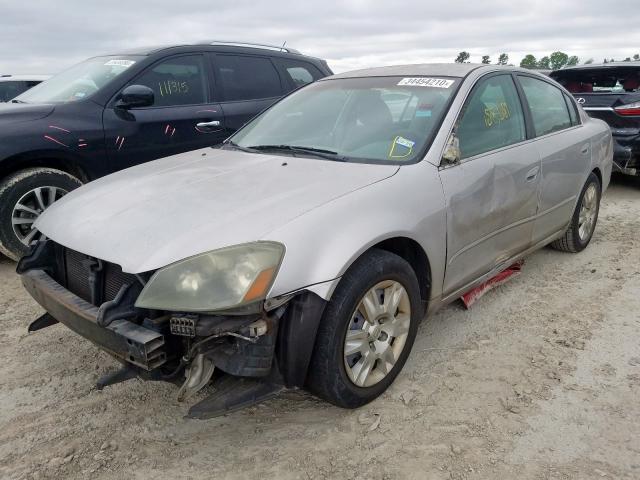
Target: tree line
(554,61)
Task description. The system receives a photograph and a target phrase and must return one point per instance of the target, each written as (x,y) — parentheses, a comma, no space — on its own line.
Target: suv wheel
(23,197)
(367,330)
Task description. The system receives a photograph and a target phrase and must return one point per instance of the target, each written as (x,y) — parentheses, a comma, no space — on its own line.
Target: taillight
(631,110)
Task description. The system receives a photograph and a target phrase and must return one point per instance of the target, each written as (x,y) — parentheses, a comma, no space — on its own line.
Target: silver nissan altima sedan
(305,250)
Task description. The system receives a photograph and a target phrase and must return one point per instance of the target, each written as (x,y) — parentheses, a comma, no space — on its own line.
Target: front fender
(323,243)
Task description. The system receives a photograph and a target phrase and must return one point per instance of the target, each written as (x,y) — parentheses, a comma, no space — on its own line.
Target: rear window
(619,79)
(247,78)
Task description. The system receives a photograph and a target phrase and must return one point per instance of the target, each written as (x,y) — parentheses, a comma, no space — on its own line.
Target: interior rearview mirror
(451,154)
(135,96)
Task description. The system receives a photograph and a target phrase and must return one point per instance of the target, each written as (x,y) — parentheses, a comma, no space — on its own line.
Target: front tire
(584,219)
(24,195)
(367,330)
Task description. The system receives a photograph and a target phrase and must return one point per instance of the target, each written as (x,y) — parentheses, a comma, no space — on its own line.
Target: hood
(160,212)
(23,112)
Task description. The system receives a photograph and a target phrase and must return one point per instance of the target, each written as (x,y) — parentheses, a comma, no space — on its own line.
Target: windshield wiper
(318,152)
(238,147)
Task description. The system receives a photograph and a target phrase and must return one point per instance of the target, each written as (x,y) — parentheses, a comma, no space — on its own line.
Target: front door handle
(532,174)
(211,124)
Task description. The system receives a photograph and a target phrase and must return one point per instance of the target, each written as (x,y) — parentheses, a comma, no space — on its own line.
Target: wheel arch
(48,159)
(414,254)
(596,171)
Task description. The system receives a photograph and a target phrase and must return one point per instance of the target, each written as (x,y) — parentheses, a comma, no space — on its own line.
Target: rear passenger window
(247,78)
(299,74)
(492,117)
(176,81)
(546,102)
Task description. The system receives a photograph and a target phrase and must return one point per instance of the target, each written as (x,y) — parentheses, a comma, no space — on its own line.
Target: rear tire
(383,338)
(584,219)
(24,195)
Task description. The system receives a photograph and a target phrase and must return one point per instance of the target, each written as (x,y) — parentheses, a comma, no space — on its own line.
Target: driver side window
(176,81)
(492,117)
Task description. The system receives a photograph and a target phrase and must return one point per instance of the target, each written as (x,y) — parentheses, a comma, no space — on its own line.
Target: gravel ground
(540,379)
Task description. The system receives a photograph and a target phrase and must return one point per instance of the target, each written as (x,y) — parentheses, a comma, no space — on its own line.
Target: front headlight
(223,279)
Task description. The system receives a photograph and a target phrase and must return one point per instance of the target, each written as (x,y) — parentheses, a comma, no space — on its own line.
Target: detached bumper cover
(124,340)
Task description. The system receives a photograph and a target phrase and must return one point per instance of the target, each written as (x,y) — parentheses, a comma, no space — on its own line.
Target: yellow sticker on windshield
(401,147)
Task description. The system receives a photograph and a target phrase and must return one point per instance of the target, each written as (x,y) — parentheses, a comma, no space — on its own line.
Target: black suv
(610,92)
(112,112)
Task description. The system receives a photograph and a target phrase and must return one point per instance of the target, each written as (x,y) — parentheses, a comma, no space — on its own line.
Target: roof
(215,43)
(23,78)
(437,69)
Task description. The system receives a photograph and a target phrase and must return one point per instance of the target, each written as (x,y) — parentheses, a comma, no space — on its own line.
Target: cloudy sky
(48,36)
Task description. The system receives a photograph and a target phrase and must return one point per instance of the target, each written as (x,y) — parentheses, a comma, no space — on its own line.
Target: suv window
(546,102)
(492,117)
(247,78)
(299,73)
(11,89)
(176,81)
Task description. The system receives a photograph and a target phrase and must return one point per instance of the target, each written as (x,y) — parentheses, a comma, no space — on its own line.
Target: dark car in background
(13,85)
(115,111)
(610,92)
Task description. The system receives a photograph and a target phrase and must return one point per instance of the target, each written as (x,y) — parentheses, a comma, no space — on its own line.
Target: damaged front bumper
(254,356)
(125,340)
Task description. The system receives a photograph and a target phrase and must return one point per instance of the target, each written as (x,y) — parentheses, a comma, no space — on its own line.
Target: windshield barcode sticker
(119,63)
(426,82)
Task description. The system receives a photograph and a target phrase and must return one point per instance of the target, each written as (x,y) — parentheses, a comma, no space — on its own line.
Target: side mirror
(135,96)
(451,154)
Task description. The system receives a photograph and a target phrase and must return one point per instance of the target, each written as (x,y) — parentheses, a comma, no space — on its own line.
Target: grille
(77,275)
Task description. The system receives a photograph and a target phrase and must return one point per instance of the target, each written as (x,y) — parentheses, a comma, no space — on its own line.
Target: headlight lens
(220,280)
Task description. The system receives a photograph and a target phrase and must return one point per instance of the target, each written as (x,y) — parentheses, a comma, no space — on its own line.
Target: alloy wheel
(588,211)
(377,333)
(28,209)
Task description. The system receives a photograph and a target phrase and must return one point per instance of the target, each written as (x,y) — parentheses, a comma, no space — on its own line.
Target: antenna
(283,44)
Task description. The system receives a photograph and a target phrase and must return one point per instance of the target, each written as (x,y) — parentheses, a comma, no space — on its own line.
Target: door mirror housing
(135,96)
(451,154)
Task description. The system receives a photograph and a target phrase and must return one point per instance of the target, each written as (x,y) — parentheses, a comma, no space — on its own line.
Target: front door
(182,117)
(492,194)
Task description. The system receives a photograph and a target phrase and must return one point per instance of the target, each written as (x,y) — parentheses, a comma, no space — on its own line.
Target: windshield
(80,81)
(372,119)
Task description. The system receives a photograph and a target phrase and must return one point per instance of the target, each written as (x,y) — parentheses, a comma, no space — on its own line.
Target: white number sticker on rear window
(426,82)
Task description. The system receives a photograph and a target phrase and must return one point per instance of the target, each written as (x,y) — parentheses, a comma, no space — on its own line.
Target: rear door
(492,194)
(182,118)
(246,85)
(564,152)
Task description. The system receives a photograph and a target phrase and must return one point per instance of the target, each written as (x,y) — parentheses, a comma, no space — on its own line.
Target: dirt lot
(540,379)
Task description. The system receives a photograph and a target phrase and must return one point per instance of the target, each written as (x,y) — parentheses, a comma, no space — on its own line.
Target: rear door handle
(585,150)
(532,174)
(211,124)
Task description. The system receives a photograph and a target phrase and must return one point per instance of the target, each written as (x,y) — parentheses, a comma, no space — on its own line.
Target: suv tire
(34,189)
